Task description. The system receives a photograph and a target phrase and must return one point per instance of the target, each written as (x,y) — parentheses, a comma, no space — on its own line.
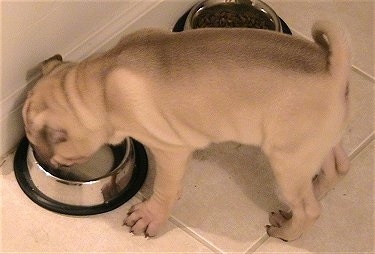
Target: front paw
(146,218)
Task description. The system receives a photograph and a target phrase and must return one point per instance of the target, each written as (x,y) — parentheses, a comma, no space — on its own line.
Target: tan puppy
(176,92)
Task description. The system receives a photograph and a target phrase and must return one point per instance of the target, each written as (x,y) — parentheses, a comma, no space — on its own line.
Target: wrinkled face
(54,130)
(56,137)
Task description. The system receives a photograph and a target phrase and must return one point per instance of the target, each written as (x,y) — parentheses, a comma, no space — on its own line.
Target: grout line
(257,244)
(2,161)
(12,112)
(362,146)
(98,31)
(6,155)
(146,11)
(17,96)
(178,223)
(194,234)
(363,73)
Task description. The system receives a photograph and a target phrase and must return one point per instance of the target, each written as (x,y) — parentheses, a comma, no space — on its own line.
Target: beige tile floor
(229,188)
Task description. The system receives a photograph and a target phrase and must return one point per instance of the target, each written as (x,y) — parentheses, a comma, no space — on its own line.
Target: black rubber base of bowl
(23,178)
(179,26)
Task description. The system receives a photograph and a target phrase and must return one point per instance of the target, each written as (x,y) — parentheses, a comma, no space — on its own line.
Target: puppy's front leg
(148,217)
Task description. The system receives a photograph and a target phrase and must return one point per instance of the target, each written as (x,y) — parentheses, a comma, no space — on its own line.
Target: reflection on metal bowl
(111,177)
(81,185)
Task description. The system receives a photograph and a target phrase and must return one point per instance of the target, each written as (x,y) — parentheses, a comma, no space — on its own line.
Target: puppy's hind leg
(293,174)
(334,167)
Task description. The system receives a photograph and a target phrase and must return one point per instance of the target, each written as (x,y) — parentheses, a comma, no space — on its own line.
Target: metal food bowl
(233,13)
(110,178)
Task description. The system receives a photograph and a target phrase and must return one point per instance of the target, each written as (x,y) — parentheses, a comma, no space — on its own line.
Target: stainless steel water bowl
(233,13)
(93,183)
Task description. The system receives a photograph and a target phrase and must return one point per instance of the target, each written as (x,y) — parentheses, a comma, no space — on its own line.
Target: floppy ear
(56,136)
(26,108)
(49,64)
(34,124)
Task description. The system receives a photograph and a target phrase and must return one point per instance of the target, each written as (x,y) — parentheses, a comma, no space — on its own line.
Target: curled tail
(336,40)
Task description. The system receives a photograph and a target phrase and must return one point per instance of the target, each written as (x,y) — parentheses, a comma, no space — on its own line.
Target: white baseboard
(156,13)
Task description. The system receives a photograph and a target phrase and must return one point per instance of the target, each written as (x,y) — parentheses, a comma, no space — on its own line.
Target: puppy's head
(56,132)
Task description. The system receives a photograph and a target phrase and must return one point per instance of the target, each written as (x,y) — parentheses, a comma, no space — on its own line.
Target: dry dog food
(233,15)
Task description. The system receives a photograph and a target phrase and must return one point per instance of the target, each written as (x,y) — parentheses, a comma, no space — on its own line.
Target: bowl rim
(112,171)
(198,7)
(28,187)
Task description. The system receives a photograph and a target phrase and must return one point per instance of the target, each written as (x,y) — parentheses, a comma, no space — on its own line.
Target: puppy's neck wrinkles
(87,101)
(96,97)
